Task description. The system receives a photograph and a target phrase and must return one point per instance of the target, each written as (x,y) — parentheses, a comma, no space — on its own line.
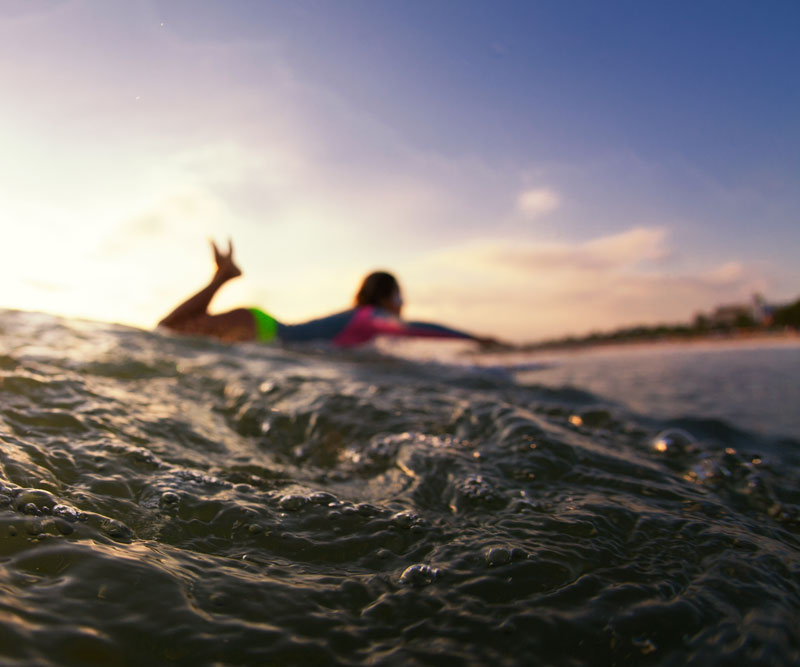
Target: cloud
(538,201)
(725,274)
(537,290)
(634,247)
(237,139)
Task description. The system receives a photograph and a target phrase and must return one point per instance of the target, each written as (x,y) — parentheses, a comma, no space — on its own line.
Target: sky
(527,168)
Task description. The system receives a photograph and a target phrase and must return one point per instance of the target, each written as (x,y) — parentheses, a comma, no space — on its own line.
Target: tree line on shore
(783,318)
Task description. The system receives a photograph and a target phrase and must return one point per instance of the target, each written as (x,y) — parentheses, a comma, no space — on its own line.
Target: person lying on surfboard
(376,312)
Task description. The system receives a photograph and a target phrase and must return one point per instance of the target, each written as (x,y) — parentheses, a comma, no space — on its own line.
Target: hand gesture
(226,268)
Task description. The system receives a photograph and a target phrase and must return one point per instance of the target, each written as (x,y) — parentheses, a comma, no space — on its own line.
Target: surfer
(376,311)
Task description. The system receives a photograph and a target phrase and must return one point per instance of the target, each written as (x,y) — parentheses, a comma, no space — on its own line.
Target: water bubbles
(144,457)
(67,513)
(117,530)
(365,509)
(292,503)
(35,502)
(475,487)
(419,574)
(378,453)
(759,494)
(706,471)
(33,527)
(477,490)
(387,446)
(755,485)
(322,498)
(525,505)
(63,527)
(170,498)
(673,442)
(404,519)
(518,554)
(498,556)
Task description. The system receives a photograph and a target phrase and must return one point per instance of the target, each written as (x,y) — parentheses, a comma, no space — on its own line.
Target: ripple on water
(175,501)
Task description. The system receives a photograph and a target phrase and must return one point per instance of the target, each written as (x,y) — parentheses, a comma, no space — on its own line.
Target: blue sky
(526,168)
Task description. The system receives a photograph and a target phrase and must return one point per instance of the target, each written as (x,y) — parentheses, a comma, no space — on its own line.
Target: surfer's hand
(226,268)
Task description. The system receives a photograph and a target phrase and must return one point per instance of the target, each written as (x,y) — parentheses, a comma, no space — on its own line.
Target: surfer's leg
(192,315)
(233,327)
(195,306)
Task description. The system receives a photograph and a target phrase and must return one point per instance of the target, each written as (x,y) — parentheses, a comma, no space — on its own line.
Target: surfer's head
(380,289)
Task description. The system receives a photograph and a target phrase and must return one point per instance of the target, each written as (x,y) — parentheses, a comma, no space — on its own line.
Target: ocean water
(753,385)
(176,501)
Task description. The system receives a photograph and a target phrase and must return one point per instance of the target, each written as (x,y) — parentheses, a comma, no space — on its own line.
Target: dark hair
(376,288)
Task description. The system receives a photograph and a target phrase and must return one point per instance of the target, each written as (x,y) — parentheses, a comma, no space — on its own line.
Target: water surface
(176,501)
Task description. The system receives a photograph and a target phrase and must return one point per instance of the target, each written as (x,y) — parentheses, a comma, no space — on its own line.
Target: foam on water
(174,501)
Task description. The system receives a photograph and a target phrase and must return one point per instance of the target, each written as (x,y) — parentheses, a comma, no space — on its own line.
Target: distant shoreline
(789,338)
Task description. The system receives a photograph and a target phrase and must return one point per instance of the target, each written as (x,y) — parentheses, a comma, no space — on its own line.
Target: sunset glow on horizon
(545,169)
